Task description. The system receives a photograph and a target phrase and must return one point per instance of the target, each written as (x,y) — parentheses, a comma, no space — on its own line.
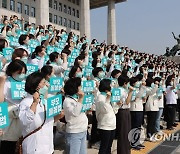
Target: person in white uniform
(32,115)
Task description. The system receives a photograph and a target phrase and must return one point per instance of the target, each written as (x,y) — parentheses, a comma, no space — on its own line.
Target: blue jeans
(158,118)
(76,143)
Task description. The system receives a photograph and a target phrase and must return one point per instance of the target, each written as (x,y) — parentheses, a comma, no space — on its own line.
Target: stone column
(111,28)
(85,19)
(42,12)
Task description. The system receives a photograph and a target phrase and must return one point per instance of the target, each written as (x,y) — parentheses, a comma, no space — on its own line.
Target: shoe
(141,146)
(96,145)
(161,127)
(171,128)
(136,148)
(174,124)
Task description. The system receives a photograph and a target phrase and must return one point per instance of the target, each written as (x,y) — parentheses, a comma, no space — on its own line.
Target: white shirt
(39,63)
(77,121)
(105,114)
(171,97)
(41,141)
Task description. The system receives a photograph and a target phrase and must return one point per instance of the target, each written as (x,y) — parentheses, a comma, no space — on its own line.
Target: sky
(143,25)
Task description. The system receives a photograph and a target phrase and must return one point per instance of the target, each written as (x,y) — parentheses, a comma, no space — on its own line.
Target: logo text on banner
(54,106)
(18,90)
(56,84)
(116,95)
(87,102)
(4,118)
(88,86)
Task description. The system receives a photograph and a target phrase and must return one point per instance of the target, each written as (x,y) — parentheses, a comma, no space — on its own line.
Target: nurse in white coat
(32,116)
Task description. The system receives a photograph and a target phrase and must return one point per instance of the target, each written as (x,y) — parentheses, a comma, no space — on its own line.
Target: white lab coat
(40,142)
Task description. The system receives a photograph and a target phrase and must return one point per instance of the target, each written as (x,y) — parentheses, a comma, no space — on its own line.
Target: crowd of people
(149,90)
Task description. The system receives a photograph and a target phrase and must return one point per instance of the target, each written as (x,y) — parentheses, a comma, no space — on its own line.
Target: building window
(65,9)
(77,26)
(33,12)
(4,3)
(60,7)
(50,3)
(55,19)
(55,5)
(73,12)
(74,1)
(26,9)
(69,23)
(65,22)
(77,13)
(12,5)
(77,2)
(69,10)
(50,17)
(60,20)
(19,7)
(73,25)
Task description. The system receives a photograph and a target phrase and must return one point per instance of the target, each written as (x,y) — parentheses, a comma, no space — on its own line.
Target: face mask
(99,65)
(60,61)
(24,59)
(137,85)
(79,74)
(20,77)
(101,75)
(152,85)
(51,29)
(83,65)
(43,91)
(38,57)
(57,44)
(9,33)
(42,30)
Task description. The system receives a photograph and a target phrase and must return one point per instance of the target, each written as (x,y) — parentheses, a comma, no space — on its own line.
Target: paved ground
(149,146)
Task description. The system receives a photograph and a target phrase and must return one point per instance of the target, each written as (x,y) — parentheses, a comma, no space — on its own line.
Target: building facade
(71,15)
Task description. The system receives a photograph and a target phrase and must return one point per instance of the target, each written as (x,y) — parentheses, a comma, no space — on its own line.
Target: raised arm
(174,36)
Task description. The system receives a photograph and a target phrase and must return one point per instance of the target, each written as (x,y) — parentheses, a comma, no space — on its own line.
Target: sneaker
(141,146)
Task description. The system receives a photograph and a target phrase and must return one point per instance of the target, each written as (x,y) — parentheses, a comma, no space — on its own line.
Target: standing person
(37,57)
(152,108)
(32,115)
(105,117)
(77,121)
(16,71)
(123,117)
(171,102)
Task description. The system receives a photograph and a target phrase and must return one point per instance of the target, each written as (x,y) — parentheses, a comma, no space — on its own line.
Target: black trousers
(136,119)
(106,137)
(151,121)
(123,127)
(171,113)
(178,108)
(94,131)
(7,147)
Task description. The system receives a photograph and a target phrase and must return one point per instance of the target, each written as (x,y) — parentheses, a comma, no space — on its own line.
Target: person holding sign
(37,57)
(106,118)
(16,71)
(123,117)
(77,121)
(152,108)
(32,115)
(59,65)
